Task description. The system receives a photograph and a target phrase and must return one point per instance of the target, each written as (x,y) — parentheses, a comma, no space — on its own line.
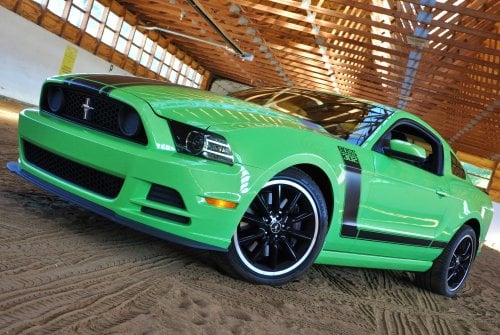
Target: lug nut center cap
(275,227)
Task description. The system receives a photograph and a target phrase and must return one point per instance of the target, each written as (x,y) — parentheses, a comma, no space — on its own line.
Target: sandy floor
(64,270)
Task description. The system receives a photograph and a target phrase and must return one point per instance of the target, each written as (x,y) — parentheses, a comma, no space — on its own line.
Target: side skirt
(370,261)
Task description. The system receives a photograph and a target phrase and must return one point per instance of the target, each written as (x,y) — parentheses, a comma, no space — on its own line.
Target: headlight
(199,142)
(195,142)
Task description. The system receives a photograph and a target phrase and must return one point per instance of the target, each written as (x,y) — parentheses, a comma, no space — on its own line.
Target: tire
(282,232)
(451,269)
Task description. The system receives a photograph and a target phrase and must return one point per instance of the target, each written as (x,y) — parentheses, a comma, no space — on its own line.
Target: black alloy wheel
(281,232)
(460,263)
(451,269)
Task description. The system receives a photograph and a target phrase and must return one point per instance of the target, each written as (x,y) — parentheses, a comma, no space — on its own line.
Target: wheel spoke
(249,218)
(294,201)
(298,234)
(467,249)
(251,238)
(301,217)
(453,274)
(289,248)
(262,204)
(274,254)
(276,198)
(258,251)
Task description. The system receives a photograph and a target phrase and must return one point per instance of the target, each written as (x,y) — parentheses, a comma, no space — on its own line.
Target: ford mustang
(276,178)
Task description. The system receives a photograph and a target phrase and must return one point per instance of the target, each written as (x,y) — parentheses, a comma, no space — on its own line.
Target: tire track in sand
(84,294)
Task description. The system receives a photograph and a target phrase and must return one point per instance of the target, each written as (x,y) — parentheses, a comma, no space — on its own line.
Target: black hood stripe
(86,84)
(105,83)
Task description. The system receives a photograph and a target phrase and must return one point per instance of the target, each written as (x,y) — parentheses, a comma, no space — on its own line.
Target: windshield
(341,116)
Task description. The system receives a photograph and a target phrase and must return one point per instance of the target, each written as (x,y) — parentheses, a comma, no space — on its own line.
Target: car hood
(187,105)
(205,109)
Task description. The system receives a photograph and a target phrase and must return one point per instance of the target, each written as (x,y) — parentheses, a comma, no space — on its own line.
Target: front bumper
(141,167)
(105,212)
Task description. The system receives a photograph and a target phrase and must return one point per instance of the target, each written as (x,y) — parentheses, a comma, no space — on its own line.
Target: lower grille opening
(86,177)
(166,196)
(166,215)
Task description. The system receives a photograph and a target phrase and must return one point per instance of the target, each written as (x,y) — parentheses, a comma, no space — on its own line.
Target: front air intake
(83,176)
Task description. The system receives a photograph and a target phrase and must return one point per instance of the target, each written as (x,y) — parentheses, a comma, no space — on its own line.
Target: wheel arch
(474,224)
(322,171)
(323,181)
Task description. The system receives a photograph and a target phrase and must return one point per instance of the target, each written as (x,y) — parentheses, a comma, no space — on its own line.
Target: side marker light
(221,203)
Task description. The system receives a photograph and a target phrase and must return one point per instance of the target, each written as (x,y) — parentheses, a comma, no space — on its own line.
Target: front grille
(93,180)
(104,115)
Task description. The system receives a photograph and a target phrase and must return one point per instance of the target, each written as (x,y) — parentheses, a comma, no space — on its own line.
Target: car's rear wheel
(451,269)
(282,231)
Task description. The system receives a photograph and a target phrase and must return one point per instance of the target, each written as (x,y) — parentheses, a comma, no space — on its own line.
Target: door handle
(441,193)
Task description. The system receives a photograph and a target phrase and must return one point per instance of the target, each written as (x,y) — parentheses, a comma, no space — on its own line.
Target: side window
(456,167)
(414,134)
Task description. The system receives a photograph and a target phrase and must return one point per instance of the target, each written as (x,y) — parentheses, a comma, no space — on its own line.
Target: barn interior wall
(30,54)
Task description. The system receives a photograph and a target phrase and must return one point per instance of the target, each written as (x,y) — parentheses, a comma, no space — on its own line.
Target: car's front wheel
(282,231)
(450,270)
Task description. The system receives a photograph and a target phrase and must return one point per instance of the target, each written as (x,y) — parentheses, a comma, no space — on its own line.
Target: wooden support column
(494,186)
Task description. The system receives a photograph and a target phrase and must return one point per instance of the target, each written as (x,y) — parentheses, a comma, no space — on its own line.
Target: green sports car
(277,178)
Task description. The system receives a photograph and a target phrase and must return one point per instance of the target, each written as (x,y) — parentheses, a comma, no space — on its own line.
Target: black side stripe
(349,227)
(438,244)
(375,236)
(353,192)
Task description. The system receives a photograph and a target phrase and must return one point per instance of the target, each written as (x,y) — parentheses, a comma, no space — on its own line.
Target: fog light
(129,122)
(221,203)
(55,99)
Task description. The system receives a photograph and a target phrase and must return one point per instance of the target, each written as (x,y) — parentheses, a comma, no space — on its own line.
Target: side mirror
(406,151)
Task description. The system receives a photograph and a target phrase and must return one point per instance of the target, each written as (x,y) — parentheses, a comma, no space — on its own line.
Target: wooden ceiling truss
(439,59)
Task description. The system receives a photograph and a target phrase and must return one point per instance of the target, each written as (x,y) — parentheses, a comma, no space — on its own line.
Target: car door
(402,202)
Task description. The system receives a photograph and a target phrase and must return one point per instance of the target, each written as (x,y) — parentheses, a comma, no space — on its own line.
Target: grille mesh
(104,116)
(93,180)
(105,113)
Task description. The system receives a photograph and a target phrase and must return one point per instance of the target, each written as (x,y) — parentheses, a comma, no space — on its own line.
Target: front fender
(271,150)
